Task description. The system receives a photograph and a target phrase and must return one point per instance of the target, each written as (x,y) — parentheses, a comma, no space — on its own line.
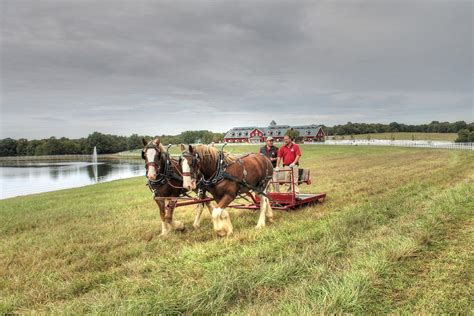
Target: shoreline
(65,157)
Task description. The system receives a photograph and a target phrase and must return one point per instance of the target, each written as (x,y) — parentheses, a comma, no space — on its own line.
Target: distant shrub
(465,136)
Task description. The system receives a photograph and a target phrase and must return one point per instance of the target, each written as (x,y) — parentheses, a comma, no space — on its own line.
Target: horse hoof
(196,227)
(260,226)
(270,220)
(223,233)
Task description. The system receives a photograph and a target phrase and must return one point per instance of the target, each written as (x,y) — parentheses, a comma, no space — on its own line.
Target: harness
(218,176)
(221,174)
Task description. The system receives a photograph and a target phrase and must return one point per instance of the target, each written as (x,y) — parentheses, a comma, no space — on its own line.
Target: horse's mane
(162,148)
(210,154)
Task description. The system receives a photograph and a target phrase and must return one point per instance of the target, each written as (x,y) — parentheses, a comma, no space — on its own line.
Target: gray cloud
(157,67)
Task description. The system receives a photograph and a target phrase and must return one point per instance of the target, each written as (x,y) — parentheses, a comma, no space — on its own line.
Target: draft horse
(165,180)
(226,177)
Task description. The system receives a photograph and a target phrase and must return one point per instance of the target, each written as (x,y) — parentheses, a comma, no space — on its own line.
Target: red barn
(253,134)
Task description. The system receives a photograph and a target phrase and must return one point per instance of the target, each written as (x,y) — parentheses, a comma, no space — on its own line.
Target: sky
(69,68)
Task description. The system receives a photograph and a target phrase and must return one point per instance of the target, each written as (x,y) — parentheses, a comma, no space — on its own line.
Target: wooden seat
(304,176)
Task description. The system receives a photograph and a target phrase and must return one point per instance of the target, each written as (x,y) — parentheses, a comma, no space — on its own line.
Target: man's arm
(278,159)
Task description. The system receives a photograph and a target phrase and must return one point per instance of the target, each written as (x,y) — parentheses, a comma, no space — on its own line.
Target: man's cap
(269,138)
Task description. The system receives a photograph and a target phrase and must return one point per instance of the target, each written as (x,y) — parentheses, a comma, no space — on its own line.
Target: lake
(27,177)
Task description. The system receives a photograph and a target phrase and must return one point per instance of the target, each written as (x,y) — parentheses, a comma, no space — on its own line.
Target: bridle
(154,162)
(195,160)
(170,171)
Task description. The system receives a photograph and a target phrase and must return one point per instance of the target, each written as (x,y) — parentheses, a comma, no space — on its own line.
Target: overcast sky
(69,68)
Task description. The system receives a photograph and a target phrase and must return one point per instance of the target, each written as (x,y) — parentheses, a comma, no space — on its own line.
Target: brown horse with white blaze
(226,177)
(165,180)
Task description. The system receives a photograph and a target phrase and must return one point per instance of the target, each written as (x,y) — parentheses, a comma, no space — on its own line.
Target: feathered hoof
(223,233)
(164,235)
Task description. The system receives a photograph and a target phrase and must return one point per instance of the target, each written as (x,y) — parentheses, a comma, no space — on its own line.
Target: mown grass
(394,235)
(403,136)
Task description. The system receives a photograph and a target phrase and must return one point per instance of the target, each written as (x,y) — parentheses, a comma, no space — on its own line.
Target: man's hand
(276,169)
(292,165)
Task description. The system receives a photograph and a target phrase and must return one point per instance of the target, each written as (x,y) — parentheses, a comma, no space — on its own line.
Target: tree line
(394,127)
(105,143)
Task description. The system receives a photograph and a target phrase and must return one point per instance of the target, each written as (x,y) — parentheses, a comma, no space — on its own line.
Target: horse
(164,175)
(226,177)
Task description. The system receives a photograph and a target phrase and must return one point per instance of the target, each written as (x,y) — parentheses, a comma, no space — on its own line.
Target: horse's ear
(156,141)
(144,142)
(191,149)
(183,148)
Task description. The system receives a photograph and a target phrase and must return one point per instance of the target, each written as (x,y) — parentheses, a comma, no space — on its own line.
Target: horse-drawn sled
(285,201)
(229,179)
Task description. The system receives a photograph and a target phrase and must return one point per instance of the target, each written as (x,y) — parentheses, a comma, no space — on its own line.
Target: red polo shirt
(288,154)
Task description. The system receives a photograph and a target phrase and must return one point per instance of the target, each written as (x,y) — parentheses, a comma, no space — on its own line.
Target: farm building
(255,134)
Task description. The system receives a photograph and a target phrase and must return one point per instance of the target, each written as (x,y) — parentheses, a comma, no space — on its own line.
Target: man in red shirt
(290,153)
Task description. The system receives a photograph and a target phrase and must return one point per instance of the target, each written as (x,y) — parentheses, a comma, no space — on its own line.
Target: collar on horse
(218,176)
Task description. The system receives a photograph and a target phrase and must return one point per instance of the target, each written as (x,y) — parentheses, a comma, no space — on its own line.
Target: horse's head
(189,161)
(151,153)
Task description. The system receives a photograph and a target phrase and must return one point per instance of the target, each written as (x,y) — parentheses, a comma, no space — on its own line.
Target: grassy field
(404,136)
(394,235)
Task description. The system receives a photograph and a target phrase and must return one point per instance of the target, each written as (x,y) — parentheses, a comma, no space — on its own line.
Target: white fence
(399,143)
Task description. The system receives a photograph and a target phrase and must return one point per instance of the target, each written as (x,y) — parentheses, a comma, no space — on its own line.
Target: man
(271,153)
(290,153)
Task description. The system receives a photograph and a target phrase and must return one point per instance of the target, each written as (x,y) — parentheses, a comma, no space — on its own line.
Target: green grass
(394,235)
(403,136)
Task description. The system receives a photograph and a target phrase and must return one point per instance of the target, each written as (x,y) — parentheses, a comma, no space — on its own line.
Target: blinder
(154,162)
(194,158)
(194,161)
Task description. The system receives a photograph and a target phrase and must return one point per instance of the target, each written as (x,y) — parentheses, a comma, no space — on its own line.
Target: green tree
(394,127)
(463,136)
(134,142)
(471,137)
(8,147)
(22,147)
(293,133)
(31,147)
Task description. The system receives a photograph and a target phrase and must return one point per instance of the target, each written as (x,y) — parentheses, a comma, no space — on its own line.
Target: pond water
(27,177)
